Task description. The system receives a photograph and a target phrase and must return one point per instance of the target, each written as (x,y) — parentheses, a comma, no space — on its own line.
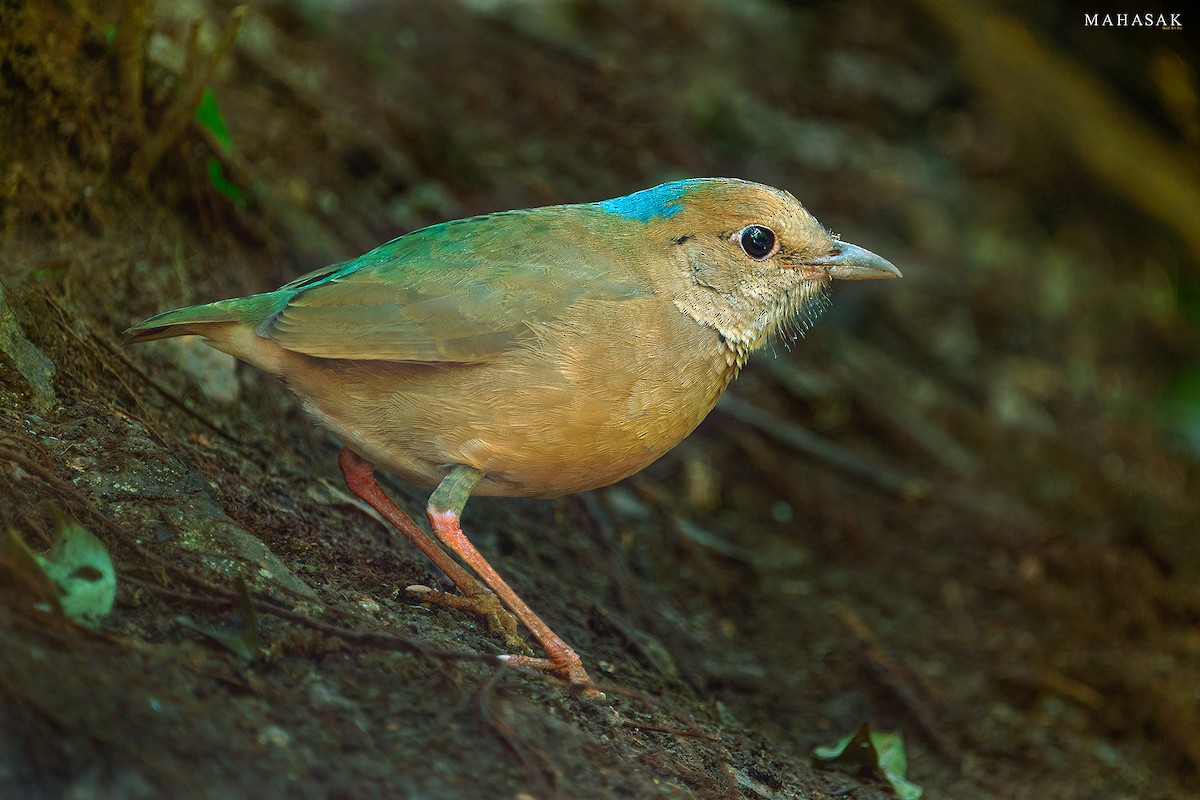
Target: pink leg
(360,479)
(563,661)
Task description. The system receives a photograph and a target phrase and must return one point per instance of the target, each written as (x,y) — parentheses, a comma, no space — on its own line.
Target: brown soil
(1005,571)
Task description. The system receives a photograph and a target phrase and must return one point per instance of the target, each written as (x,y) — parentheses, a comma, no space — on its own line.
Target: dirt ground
(964,507)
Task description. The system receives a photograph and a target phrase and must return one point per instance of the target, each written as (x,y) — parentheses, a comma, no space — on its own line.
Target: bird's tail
(199,320)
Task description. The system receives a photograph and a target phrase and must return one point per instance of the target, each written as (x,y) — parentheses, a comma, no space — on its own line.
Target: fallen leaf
(880,752)
(75,577)
(241,638)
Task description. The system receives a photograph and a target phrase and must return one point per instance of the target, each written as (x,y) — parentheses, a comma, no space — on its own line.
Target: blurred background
(963,507)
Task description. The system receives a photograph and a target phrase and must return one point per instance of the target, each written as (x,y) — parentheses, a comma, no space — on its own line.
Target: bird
(533,353)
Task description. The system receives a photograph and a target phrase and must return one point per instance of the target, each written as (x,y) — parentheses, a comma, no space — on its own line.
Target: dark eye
(757,241)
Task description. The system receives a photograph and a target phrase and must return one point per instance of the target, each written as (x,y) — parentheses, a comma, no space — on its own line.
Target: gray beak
(850,262)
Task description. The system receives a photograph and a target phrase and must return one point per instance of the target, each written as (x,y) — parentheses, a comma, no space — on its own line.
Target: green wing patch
(463,292)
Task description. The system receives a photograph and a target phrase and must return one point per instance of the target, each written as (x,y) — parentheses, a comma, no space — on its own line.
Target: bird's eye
(757,241)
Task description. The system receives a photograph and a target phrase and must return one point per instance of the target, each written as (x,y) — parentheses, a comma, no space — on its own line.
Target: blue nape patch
(658,201)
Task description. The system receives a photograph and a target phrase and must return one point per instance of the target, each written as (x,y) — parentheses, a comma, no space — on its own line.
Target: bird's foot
(566,667)
(482,604)
(563,662)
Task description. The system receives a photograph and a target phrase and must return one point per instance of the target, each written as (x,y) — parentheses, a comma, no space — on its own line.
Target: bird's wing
(460,292)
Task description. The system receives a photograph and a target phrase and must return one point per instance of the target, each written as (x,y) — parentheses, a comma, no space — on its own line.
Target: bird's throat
(745,322)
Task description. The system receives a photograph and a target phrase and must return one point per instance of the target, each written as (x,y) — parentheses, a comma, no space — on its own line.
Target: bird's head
(741,257)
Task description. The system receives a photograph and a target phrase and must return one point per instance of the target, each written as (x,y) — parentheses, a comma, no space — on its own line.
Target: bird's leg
(445,510)
(476,599)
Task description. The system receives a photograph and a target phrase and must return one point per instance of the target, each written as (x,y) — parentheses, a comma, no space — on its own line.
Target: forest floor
(1003,567)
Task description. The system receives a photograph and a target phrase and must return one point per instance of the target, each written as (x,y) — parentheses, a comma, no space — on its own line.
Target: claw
(484,604)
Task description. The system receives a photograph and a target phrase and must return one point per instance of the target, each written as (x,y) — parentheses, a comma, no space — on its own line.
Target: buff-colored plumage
(550,350)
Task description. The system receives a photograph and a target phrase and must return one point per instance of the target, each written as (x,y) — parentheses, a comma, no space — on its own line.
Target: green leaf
(241,639)
(222,184)
(75,577)
(209,116)
(879,752)
(81,568)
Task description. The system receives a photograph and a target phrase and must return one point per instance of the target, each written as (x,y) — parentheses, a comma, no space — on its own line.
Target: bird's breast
(605,394)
